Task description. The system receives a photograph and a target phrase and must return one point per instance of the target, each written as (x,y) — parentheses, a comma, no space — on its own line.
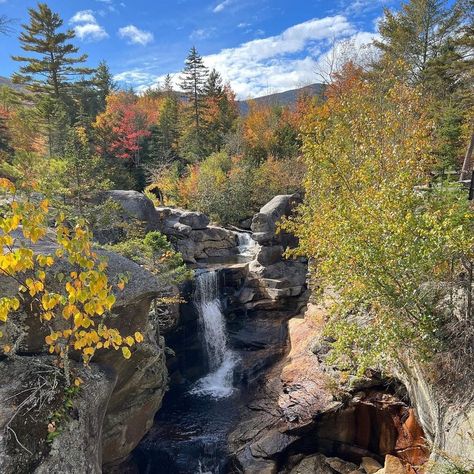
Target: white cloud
(202,33)
(277,63)
(91,32)
(86,26)
(221,6)
(83,16)
(135,35)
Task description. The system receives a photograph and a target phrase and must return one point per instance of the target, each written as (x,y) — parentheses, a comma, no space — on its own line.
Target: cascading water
(191,430)
(247,246)
(219,382)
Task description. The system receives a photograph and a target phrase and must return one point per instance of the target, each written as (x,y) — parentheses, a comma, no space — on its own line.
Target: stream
(190,431)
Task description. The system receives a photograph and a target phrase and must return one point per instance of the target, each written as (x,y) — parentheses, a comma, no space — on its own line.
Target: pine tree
(418,33)
(104,84)
(55,57)
(193,80)
(220,111)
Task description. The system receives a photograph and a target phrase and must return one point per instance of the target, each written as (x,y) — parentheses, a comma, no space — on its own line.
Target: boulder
(140,382)
(195,220)
(340,466)
(265,221)
(394,465)
(78,447)
(136,206)
(313,465)
(370,465)
(269,255)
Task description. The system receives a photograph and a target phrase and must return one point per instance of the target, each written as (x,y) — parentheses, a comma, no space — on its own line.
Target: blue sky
(259,46)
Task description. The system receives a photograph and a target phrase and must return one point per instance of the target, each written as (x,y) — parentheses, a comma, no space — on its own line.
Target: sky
(259,46)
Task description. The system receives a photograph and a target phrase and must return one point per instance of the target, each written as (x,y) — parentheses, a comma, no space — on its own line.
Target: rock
(393,465)
(177,229)
(78,448)
(447,426)
(340,466)
(370,465)
(140,381)
(313,465)
(135,205)
(264,222)
(269,255)
(195,220)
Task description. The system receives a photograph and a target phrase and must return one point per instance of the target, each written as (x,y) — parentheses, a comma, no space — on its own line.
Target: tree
(55,63)
(193,80)
(5,25)
(417,33)
(389,250)
(75,181)
(5,138)
(103,84)
(72,306)
(220,111)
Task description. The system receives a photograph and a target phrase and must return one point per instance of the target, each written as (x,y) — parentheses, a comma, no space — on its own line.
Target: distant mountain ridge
(288,97)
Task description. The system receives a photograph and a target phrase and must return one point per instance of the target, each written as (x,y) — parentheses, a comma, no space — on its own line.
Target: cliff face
(117,403)
(300,411)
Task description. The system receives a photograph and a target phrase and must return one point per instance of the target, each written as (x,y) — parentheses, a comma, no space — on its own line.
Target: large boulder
(264,223)
(135,205)
(139,383)
(22,431)
(195,220)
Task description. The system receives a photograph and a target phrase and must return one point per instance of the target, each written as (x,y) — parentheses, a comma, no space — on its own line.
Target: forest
(380,163)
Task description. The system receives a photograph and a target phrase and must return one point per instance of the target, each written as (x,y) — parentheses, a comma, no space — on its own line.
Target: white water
(218,383)
(247,246)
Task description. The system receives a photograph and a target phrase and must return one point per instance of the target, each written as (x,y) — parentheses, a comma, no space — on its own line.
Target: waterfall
(218,383)
(247,246)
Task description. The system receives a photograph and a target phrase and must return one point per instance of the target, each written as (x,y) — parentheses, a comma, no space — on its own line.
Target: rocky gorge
(238,382)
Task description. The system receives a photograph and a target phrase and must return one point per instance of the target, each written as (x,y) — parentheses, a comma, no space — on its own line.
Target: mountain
(283,98)
(5,81)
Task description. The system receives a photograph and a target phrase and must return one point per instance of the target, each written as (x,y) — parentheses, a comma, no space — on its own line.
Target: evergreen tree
(193,80)
(55,57)
(5,139)
(220,111)
(103,84)
(54,120)
(417,33)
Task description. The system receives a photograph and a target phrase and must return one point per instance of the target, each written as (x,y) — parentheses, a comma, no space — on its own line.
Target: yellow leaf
(138,337)
(126,352)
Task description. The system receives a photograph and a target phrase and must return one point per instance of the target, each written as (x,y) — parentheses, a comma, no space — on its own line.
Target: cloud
(202,33)
(221,6)
(135,35)
(276,63)
(83,16)
(86,26)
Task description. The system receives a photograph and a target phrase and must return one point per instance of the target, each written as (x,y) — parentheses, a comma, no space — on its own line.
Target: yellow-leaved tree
(392,243)
(73,304)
